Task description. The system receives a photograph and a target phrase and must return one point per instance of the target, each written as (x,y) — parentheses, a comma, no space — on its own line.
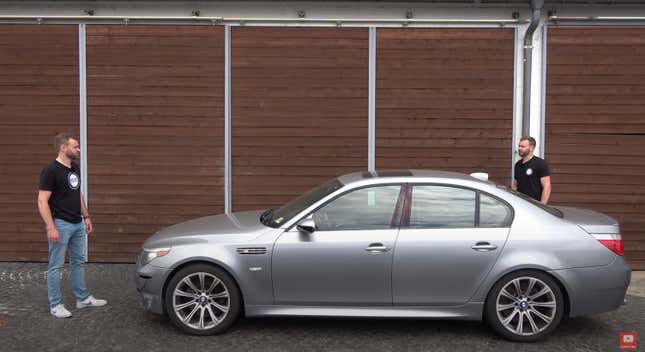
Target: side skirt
(469,311)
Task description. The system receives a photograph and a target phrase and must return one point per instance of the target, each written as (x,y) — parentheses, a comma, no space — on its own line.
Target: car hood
(590,221)
(221,228)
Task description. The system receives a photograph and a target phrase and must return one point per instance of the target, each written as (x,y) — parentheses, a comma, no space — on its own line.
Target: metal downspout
(536,14)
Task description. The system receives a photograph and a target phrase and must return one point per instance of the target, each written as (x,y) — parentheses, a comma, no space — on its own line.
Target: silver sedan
(399,244)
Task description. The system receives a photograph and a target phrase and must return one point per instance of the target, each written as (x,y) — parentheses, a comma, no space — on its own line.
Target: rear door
(449,240)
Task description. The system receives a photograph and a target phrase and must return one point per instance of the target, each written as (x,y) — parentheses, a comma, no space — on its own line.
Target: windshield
(547,208)
(276,217)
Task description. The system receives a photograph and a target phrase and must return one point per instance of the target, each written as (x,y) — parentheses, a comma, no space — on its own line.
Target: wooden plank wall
(595,125)
(38,99)
(155,131)
(299,110)
(444,100)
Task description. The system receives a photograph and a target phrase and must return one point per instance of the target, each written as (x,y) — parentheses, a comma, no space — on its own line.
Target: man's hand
(53,235)
(88,226)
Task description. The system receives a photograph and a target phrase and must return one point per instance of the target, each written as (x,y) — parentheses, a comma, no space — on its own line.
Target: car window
(442,207)
(493,212)
(279,216)
(362,209)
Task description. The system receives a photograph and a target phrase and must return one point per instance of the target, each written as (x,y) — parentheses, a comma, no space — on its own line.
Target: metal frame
(82,109)
(596,18)
(227,120)
(219,20)
(597,21)
(518,44)
(543,92)
(371,147)
(82,94)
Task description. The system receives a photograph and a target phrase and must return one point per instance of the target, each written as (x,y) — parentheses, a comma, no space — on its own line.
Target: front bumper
(596,289)
(149,280)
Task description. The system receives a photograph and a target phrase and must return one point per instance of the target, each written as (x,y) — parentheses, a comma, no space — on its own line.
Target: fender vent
(252,250)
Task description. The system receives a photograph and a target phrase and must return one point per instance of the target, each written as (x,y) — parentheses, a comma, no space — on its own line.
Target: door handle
(377,248)
(484,247)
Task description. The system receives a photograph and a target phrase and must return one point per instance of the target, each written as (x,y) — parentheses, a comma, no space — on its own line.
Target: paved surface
(25,324)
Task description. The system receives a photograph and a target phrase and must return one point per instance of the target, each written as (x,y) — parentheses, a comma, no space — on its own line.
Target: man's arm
(546,189)
(514,185)
(86,215)
(46,214)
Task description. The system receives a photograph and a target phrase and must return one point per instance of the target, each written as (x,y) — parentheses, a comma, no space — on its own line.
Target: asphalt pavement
(122,325)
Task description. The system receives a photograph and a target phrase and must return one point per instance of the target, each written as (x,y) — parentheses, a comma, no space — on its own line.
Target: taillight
(612,241)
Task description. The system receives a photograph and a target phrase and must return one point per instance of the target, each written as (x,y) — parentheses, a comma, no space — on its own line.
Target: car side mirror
(306,225)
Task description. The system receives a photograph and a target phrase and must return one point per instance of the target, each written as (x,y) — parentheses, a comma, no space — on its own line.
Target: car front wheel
(202,300)
(525,306)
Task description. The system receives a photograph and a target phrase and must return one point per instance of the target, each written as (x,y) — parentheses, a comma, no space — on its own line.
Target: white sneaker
(90,302)
(60,312)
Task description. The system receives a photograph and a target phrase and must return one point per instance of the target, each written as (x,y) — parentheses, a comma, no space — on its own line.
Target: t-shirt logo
(73,181)
(529,171)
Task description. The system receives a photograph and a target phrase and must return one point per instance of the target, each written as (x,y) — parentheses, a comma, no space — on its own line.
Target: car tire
(202,299)
(529,314)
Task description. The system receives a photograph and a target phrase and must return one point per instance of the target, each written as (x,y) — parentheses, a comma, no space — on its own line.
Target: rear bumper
(595,289)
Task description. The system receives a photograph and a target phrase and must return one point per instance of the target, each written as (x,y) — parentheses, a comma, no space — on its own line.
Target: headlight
(149,254)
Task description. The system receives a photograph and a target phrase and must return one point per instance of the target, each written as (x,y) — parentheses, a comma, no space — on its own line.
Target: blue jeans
(72,236)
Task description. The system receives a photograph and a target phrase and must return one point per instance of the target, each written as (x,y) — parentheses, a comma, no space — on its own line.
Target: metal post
(227,119)
(517,117)
(536,15)
(82,91)
(82,108)
(371,148)
(543,93)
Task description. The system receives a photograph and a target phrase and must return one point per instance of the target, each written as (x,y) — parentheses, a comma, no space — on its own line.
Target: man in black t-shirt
(67,223)
(532,173)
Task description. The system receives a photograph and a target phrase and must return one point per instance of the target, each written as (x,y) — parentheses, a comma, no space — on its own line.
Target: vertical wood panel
(444,100)
(595,125)
(155,131)
(299,114)
(38,99)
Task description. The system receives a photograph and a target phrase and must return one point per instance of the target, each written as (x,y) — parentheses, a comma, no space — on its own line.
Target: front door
(347,260)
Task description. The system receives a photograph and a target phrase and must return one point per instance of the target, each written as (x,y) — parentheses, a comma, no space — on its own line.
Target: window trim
(477,208)
(393,221)
(405,223)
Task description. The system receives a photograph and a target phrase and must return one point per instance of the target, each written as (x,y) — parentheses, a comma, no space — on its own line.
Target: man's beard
(71,155)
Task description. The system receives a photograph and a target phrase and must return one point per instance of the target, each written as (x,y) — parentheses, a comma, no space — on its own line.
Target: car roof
(411,174)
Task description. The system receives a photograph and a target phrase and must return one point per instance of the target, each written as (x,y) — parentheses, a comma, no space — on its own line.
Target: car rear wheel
(525,306)
(202,299)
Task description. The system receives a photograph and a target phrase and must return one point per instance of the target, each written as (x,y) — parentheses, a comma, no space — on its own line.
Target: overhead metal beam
(233,20)
(596,18)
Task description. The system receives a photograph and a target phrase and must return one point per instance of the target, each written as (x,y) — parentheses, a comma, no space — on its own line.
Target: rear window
(442,207)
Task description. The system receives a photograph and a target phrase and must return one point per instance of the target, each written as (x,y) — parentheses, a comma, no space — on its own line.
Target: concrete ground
(25,324)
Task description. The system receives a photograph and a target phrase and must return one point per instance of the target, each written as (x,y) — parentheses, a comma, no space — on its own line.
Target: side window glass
(493,213)
(442,207)
(362,209)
